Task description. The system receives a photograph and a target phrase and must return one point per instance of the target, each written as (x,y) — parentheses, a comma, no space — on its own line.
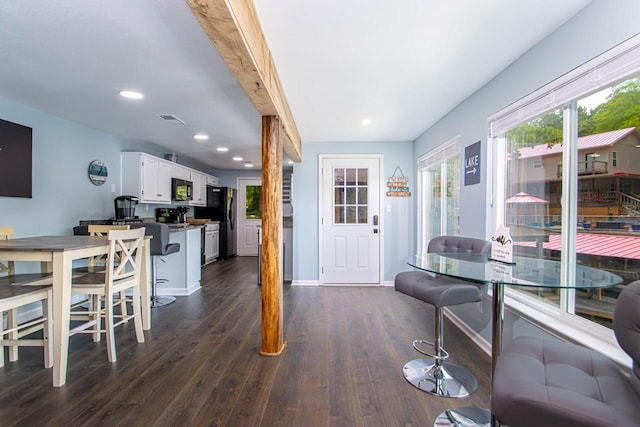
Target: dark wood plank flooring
(200,364)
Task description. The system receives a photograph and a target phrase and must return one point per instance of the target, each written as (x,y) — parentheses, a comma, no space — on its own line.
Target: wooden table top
(52,243)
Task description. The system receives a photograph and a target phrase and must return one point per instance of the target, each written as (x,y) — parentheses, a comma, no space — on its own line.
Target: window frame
(438,156)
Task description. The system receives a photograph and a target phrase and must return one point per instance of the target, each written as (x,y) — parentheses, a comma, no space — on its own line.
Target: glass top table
(531,272)
(524,272)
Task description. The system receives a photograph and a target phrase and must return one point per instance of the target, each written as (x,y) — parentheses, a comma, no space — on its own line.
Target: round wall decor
(97,172)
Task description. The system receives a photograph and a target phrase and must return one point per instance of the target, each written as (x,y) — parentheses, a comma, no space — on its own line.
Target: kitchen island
(178,274)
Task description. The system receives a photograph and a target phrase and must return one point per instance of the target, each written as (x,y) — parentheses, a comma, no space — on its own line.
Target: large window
(439,174)
(567,161)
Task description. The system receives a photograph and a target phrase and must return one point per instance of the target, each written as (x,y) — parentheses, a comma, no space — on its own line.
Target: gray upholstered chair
(160,246)
(433,374)
(544,382)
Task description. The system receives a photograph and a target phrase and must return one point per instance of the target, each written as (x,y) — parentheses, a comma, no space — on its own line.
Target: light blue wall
(62,192)
(398,212)
(597,28)
(228,178)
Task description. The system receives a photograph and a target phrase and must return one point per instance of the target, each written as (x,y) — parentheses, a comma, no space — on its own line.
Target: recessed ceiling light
(201,136)
(248,164)
(366,122)
(222,149)
(290,162)
(131,94)
(237,159)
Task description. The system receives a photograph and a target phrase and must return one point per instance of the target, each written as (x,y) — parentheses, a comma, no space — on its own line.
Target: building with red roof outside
(608,208)
(608,177)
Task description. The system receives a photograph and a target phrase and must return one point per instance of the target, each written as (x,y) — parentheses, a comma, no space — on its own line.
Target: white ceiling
(403,64)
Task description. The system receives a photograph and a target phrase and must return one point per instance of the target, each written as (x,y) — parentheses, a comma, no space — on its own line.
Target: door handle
(375,220)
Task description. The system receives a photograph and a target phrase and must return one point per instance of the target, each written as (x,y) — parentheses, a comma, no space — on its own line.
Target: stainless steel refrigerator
(222,206)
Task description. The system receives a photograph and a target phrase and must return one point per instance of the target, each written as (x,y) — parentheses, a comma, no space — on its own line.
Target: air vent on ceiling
(170,118)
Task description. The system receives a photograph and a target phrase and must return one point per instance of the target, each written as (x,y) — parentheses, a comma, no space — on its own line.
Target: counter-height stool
(160,247)
(433,374)
(544,382)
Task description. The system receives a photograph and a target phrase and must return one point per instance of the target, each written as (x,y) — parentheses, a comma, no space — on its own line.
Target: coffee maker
(125,207)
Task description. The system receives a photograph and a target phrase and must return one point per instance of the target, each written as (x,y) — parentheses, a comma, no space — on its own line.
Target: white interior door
(249,216)
(350,223)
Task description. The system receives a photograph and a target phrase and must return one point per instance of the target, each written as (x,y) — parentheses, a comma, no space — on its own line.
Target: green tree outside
(620,111)
(254,202)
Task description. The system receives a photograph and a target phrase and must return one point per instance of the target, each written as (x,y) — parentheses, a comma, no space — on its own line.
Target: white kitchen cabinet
(212,180)
(180,172)
(146,177)
(211,242)
(199,181)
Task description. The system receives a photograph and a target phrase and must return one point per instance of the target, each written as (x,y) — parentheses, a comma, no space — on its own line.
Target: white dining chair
(107,290)
(13,297)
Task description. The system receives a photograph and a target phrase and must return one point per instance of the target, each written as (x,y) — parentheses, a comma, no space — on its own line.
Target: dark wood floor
(200,364)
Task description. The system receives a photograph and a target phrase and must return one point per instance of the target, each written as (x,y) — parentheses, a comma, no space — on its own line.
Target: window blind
(444,151)
(610,68)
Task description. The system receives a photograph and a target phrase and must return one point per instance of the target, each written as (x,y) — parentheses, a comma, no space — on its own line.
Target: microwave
(181,190)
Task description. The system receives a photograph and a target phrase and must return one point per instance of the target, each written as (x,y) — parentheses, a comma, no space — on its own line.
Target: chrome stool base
(466,416)
(445,379)
(157,301)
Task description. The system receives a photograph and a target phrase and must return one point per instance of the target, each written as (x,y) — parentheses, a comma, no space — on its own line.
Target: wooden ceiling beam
(234,29)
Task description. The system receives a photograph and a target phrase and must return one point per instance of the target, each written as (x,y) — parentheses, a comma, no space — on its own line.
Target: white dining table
(56,255)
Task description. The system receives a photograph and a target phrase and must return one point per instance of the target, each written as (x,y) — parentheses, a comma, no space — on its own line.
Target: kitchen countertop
(181,227)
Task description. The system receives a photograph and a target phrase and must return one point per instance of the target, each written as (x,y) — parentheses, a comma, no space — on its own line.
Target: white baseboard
(179,292)
(317,283)
(305,283)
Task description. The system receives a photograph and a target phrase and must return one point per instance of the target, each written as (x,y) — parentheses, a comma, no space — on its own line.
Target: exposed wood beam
(271,257)
(234,29)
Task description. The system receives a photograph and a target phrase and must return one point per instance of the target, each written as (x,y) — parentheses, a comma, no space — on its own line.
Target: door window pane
(351,176)
(338,215)
(362,196)
(350,195)
(362,176)
(254,202)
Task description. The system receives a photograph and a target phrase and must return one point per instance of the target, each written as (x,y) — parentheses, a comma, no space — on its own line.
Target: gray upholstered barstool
(160,246)
(544,382)
(433,374)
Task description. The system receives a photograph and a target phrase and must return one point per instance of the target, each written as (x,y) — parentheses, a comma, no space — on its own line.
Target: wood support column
(272,274)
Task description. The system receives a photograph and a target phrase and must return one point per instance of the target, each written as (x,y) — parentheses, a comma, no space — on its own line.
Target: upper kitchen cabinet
(212,180)
(199,181)
(180,172)
(146,177)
